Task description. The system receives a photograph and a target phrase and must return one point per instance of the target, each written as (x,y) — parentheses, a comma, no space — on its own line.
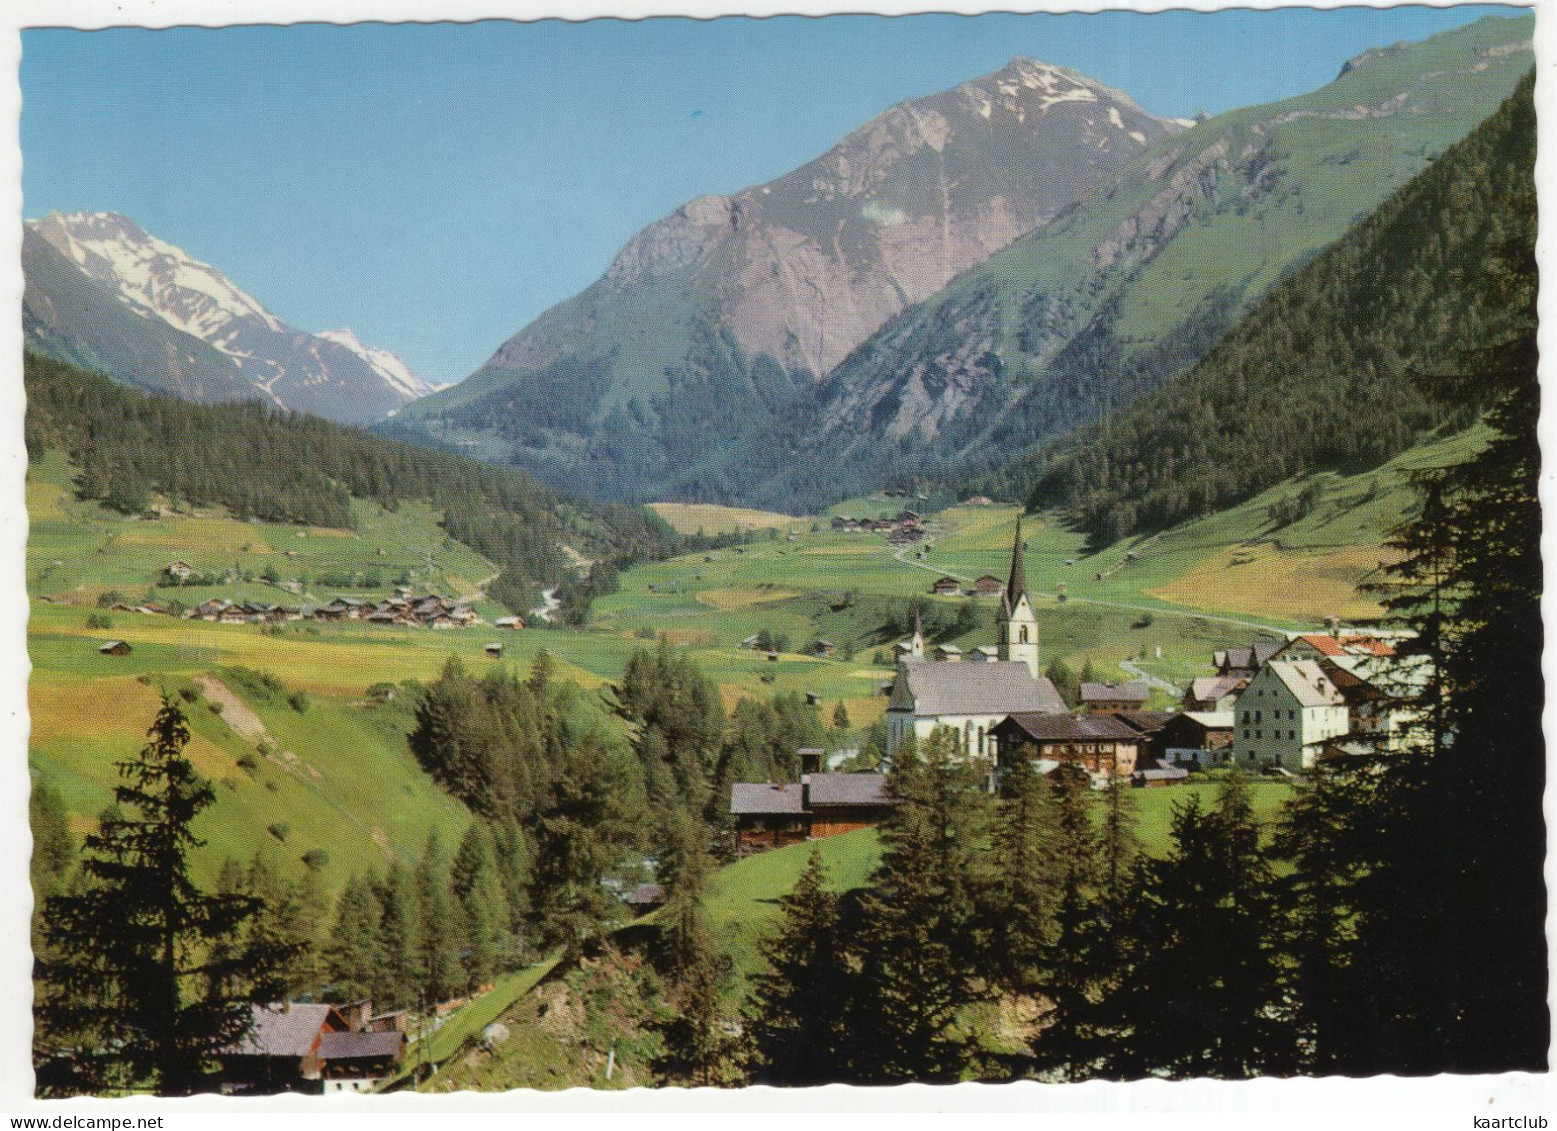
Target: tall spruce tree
(478,894)
(923,940)
(135,979)
(354,956)
(797,1016)
(1202,995)
(399,984)
(438,961)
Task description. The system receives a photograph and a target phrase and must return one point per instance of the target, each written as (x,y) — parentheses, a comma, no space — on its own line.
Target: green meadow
(354,798)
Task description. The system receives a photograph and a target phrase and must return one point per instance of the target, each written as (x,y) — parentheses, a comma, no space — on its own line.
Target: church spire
(916,647)
(1017,586)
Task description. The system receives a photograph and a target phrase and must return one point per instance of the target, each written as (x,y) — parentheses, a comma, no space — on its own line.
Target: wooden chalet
(114,648)
(313,1047)
(645,898)
(1201,738)
(494,650)
(988,586)
(946,587)
(280,1051)
(358,1061)
(179,571)
(821,805)
(1245,663)
(842,803)
(1214,693)
(947,653)
(1111,698)
(1100,744)
(768,816)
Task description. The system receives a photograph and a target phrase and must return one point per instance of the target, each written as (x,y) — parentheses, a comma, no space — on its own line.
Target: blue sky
(435,187)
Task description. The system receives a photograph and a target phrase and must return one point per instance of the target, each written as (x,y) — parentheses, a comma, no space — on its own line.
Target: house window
(1292,734)
(1256,716)
(1258,735)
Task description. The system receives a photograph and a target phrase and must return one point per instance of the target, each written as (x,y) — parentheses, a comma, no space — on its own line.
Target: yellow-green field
(711,519)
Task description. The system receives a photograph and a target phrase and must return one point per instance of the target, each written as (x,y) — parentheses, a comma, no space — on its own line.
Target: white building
(1285,715)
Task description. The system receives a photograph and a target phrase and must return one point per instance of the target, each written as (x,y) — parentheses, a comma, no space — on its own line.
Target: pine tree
(399,983)
(479,895)
(355,954)
(1025,894)
(440,975)
(798,1009)
(922,937)
(841,720)
(1069,967)
(132,977)
(1201,997)
(580,836)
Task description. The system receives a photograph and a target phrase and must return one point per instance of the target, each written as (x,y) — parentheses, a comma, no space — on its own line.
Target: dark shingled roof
(760,797)
(645,895)
(1147,722)
(283,1030)
(847,789)
(1135,692)
(1004,687)
(1073,728)
(360,1046)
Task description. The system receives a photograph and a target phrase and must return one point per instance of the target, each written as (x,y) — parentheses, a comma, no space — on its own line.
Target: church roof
(1004,687)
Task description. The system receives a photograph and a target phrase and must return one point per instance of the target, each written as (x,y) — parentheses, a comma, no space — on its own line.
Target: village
(1272,708)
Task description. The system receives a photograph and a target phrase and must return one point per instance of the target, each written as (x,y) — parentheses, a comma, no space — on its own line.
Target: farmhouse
(280,1050)
(1201,738)
(1100,744)
(179,571)
(946,587)
(114,648)
(972,698)
(773,815)
(359,1061)
(1244,663)
(1332,645)
(1214,693)
(768,816)
(988,585)
(1111,698)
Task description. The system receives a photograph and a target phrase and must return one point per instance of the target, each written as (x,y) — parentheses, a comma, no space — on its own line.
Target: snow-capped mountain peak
(389,366)
(153,276)
(334,375)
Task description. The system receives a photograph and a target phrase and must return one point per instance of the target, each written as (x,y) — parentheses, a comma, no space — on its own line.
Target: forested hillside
(264,464)
(1334,369)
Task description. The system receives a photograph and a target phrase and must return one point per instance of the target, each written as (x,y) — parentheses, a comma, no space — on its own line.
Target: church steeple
(1016,587)
(1018,625)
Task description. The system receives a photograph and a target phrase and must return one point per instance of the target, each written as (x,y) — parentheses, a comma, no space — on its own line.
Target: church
(972,697)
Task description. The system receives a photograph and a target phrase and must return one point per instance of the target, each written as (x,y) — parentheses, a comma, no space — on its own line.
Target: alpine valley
(1040,592)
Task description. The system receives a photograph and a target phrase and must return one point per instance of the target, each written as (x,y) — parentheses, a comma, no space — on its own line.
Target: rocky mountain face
(760,294)
(108,295)
(1122,293)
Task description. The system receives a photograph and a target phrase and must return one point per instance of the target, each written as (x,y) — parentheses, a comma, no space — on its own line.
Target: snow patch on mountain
(395,372)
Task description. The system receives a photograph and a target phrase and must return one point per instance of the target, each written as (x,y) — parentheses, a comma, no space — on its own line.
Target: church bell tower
(1018,625)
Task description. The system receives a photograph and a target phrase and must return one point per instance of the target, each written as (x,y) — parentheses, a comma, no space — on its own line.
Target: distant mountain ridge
(205,337)
(759,294)
(1136,283)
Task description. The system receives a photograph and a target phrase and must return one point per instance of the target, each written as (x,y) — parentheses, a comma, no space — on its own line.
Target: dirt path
(235,712)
